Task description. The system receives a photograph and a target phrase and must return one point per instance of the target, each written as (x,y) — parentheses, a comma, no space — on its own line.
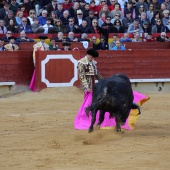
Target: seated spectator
(105,9)
(135,27)
(53,17)
(51,6)
(9,16)
(24,10)
(150,12)
(94,28)
(156,16)
(73,10)
(158,27)
(166,17)
(65,18)
(85,9)
(102,45)
(11,46)
(82,4)
(23,37)
(146,28)
(117,16)
(19,17)
(30,18)
(83,27)
(162,37)
(28,5)
(53,45)
(127,20)
(112,5)
(8,35)
(79,18)
(140,8)
(14,6)
(67,4)
(2,48)
(149,38)
(84,37)
(167,28)
(90,18)
(143,18)
(125,38)
(71,37)
(58,27)
(60,10)
(136,37)
(42,19)
(102,19)
(129,8)
(4,11)
(36,27)
(66,46)
(3,28)
(94,8)
(107,27)
(24,26)
(113,43)
(94,40)
(118,25)
(116,11)
(60,37)
(118,46)
(12,27)
(71,27)
(47,26)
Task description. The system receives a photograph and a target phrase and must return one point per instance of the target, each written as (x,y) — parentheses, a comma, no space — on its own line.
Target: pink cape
(82,122)
(32,84)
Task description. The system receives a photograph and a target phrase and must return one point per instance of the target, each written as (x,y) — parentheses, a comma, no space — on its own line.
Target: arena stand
(146,62)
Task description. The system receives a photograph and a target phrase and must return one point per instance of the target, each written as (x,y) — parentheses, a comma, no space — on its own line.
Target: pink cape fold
(83,122)
(33,83)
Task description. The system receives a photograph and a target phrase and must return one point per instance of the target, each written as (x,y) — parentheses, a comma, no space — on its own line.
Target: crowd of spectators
(85,16)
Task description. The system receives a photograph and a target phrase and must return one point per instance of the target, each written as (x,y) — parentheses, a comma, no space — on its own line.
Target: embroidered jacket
(9,47)
(87,72)
(41,47)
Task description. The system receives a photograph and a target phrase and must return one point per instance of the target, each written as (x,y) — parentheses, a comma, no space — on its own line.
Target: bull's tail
(136,106)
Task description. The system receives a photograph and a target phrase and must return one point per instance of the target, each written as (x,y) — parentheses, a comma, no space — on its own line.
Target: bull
(113,95)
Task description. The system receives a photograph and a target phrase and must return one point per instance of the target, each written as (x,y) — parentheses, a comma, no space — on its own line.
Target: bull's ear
(105,91)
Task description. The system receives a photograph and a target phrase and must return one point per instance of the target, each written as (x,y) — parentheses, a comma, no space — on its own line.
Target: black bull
(113,95)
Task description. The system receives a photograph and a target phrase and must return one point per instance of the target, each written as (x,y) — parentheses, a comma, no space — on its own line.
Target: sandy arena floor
(37,133)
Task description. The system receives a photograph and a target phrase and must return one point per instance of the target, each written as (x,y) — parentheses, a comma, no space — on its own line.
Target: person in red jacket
(94,8)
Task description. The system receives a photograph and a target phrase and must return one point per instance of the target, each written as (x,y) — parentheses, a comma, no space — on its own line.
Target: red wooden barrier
(16,67)
(60,66)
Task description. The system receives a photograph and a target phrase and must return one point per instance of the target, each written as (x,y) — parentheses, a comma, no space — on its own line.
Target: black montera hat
(66,44)
(92,52)
(43,37)
(9,38)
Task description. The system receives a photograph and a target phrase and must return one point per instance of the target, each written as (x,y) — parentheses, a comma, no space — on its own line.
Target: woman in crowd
(150,12)
(118,25)
(12,26)
(19,17)
(102,19)
(158,27)
(156,16)
(30,18)
(54,17)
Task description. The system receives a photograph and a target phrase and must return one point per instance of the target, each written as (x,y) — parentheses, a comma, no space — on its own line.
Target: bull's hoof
(90,130)
(118,130)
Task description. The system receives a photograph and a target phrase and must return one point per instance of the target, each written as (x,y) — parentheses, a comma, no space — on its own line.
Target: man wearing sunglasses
(162,37)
